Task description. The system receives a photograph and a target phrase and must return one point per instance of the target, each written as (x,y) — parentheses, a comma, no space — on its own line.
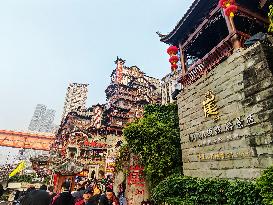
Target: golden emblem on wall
(209,106)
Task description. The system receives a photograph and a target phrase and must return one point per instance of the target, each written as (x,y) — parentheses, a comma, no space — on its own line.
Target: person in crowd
(1,190)
(87,194)
(94,200)
(36,197)
(121,194)
(51,193)
(96,189)
(93,173)
(64,198)
(43,187)
(80,189)
(108,198)
(16,197)
(148,202)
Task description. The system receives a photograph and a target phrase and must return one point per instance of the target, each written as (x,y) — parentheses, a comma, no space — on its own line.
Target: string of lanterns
(229,7)
(172,51)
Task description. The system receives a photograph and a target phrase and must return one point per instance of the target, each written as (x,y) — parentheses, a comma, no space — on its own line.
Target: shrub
(180,190)
(265,184)
(211,191)
(175,189)
(243,192)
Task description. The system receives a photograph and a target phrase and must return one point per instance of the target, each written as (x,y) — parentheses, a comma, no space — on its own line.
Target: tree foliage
(155,139)
(123,160)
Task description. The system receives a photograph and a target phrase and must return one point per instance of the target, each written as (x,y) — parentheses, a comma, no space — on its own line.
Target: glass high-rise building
(76,97)
(42,119)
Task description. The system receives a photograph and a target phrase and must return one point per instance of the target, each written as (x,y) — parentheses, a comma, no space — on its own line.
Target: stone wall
(239,144)
(136,186)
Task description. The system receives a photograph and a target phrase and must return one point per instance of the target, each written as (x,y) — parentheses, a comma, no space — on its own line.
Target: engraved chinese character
(204,134)
(209,106)
(201,156)
(250,120)
(192,137)
(200,136)
(136,176)
(218,129)
(239,123)
(221,155)
(229,126)
(209,132)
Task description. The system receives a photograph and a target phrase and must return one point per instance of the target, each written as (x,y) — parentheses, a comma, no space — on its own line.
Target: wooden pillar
(232,31)
(182,59)
(228,23)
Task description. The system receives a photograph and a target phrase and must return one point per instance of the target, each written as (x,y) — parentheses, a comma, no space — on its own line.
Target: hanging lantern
(172,50)
(173,59)
(229,7)
(174,67)
(226,3)
(229,11)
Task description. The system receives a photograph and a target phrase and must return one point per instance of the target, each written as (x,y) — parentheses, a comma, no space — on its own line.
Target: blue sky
(46,44)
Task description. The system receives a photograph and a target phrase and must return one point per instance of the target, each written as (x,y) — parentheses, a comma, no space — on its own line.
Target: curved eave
(181,27)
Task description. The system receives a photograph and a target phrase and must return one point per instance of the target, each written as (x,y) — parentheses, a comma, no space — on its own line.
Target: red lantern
(229,11)
(226,3)
(173,59)
(174,67)
(172,50)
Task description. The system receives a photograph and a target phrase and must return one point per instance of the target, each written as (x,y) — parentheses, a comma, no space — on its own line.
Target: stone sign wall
(136,185)
(227,133)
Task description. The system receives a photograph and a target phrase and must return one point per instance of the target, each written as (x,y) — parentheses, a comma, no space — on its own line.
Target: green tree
(155,139)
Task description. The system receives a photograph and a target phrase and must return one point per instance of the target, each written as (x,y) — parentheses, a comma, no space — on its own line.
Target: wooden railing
(219,53)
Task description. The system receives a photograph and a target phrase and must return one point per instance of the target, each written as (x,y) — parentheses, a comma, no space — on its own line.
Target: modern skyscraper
(47,121)
(75,97)
(37,117)
(42,120)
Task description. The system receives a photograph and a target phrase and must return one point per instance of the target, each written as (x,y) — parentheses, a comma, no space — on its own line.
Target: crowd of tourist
(84,194)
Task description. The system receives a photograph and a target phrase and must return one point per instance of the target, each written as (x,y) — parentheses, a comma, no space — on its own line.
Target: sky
(47,44)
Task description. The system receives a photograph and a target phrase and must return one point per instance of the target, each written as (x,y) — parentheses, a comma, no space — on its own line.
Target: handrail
(212,59)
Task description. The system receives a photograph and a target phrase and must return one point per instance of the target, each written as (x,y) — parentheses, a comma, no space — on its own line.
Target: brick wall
(243,88)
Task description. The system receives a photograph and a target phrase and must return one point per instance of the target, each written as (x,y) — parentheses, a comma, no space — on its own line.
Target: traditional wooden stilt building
(88,139)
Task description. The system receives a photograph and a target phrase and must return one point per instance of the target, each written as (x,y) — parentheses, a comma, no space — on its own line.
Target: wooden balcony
(218,54)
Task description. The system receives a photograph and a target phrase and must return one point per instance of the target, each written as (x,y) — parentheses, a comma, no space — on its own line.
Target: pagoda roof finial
(119,59)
